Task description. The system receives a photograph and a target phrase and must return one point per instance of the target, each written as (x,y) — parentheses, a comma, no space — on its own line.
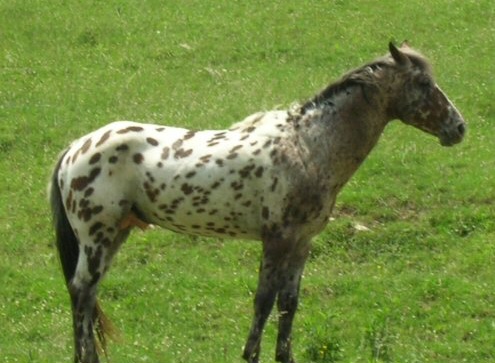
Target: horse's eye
(425,83)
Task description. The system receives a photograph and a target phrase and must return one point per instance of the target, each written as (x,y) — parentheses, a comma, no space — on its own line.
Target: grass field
(417,286)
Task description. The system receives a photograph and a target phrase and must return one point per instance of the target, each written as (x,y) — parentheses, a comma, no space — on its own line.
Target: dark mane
(363,77)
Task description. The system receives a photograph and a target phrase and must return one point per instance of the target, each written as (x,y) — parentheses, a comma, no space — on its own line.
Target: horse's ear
(398,56)
(405,44)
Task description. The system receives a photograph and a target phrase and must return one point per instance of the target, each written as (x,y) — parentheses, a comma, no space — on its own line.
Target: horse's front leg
(287,303)
(264,300)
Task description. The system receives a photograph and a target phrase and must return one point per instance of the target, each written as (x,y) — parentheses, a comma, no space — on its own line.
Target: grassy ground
(418,286)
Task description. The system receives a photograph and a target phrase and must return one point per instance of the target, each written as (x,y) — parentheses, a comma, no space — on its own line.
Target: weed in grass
(324,345)
(378,340)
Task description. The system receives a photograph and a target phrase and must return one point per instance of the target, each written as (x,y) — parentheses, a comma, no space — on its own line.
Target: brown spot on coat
(122,147)
(68,201)
(103,138)
(130,129)
(187,189)
(235,148)
(123,202)
(150,192)
(86,146)
(245,172)
(165,153)
(152,141)
(190,134)
(216,184)
(74,157)
(94,159)
(237,185)
(219,162)
(150,176)
(88,192)
(216,137)
(181,153)
(95,227)
(94,260)
(138,158)
(274,184)
(206,158)
(80,183)
(177,144)
(86,213)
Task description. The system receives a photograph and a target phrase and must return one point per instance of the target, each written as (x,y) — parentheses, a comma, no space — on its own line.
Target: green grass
(417,287)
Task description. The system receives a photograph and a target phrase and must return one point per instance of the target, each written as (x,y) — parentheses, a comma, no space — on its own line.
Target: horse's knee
(287,302)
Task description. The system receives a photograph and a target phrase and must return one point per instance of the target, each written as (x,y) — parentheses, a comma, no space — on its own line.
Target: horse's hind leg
(95,255)
(83,297)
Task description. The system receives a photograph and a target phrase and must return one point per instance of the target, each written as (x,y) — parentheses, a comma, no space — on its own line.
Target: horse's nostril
(461,128)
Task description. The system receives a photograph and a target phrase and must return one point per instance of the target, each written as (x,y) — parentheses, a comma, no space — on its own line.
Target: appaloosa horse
(273,177)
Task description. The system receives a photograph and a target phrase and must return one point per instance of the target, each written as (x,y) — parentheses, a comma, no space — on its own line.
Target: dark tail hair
(68,251)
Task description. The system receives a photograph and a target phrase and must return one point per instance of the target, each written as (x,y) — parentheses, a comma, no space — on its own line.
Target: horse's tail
(68,251)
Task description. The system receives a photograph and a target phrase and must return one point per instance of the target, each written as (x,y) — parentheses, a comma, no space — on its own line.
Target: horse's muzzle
(454,134)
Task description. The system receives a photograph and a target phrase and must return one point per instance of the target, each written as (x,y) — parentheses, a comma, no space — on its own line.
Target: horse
(272,177)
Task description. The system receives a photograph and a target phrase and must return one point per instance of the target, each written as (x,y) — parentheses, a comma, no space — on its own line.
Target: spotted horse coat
(273,177)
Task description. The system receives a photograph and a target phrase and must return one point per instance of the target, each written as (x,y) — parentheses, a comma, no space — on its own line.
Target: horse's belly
(217,217)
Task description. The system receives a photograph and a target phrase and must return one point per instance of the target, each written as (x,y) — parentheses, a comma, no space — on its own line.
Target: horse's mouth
(445,142)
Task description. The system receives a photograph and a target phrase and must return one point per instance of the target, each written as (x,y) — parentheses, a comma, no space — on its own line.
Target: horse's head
(418,100)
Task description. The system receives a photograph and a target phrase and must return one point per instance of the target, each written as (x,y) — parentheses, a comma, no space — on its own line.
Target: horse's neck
(341,135)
